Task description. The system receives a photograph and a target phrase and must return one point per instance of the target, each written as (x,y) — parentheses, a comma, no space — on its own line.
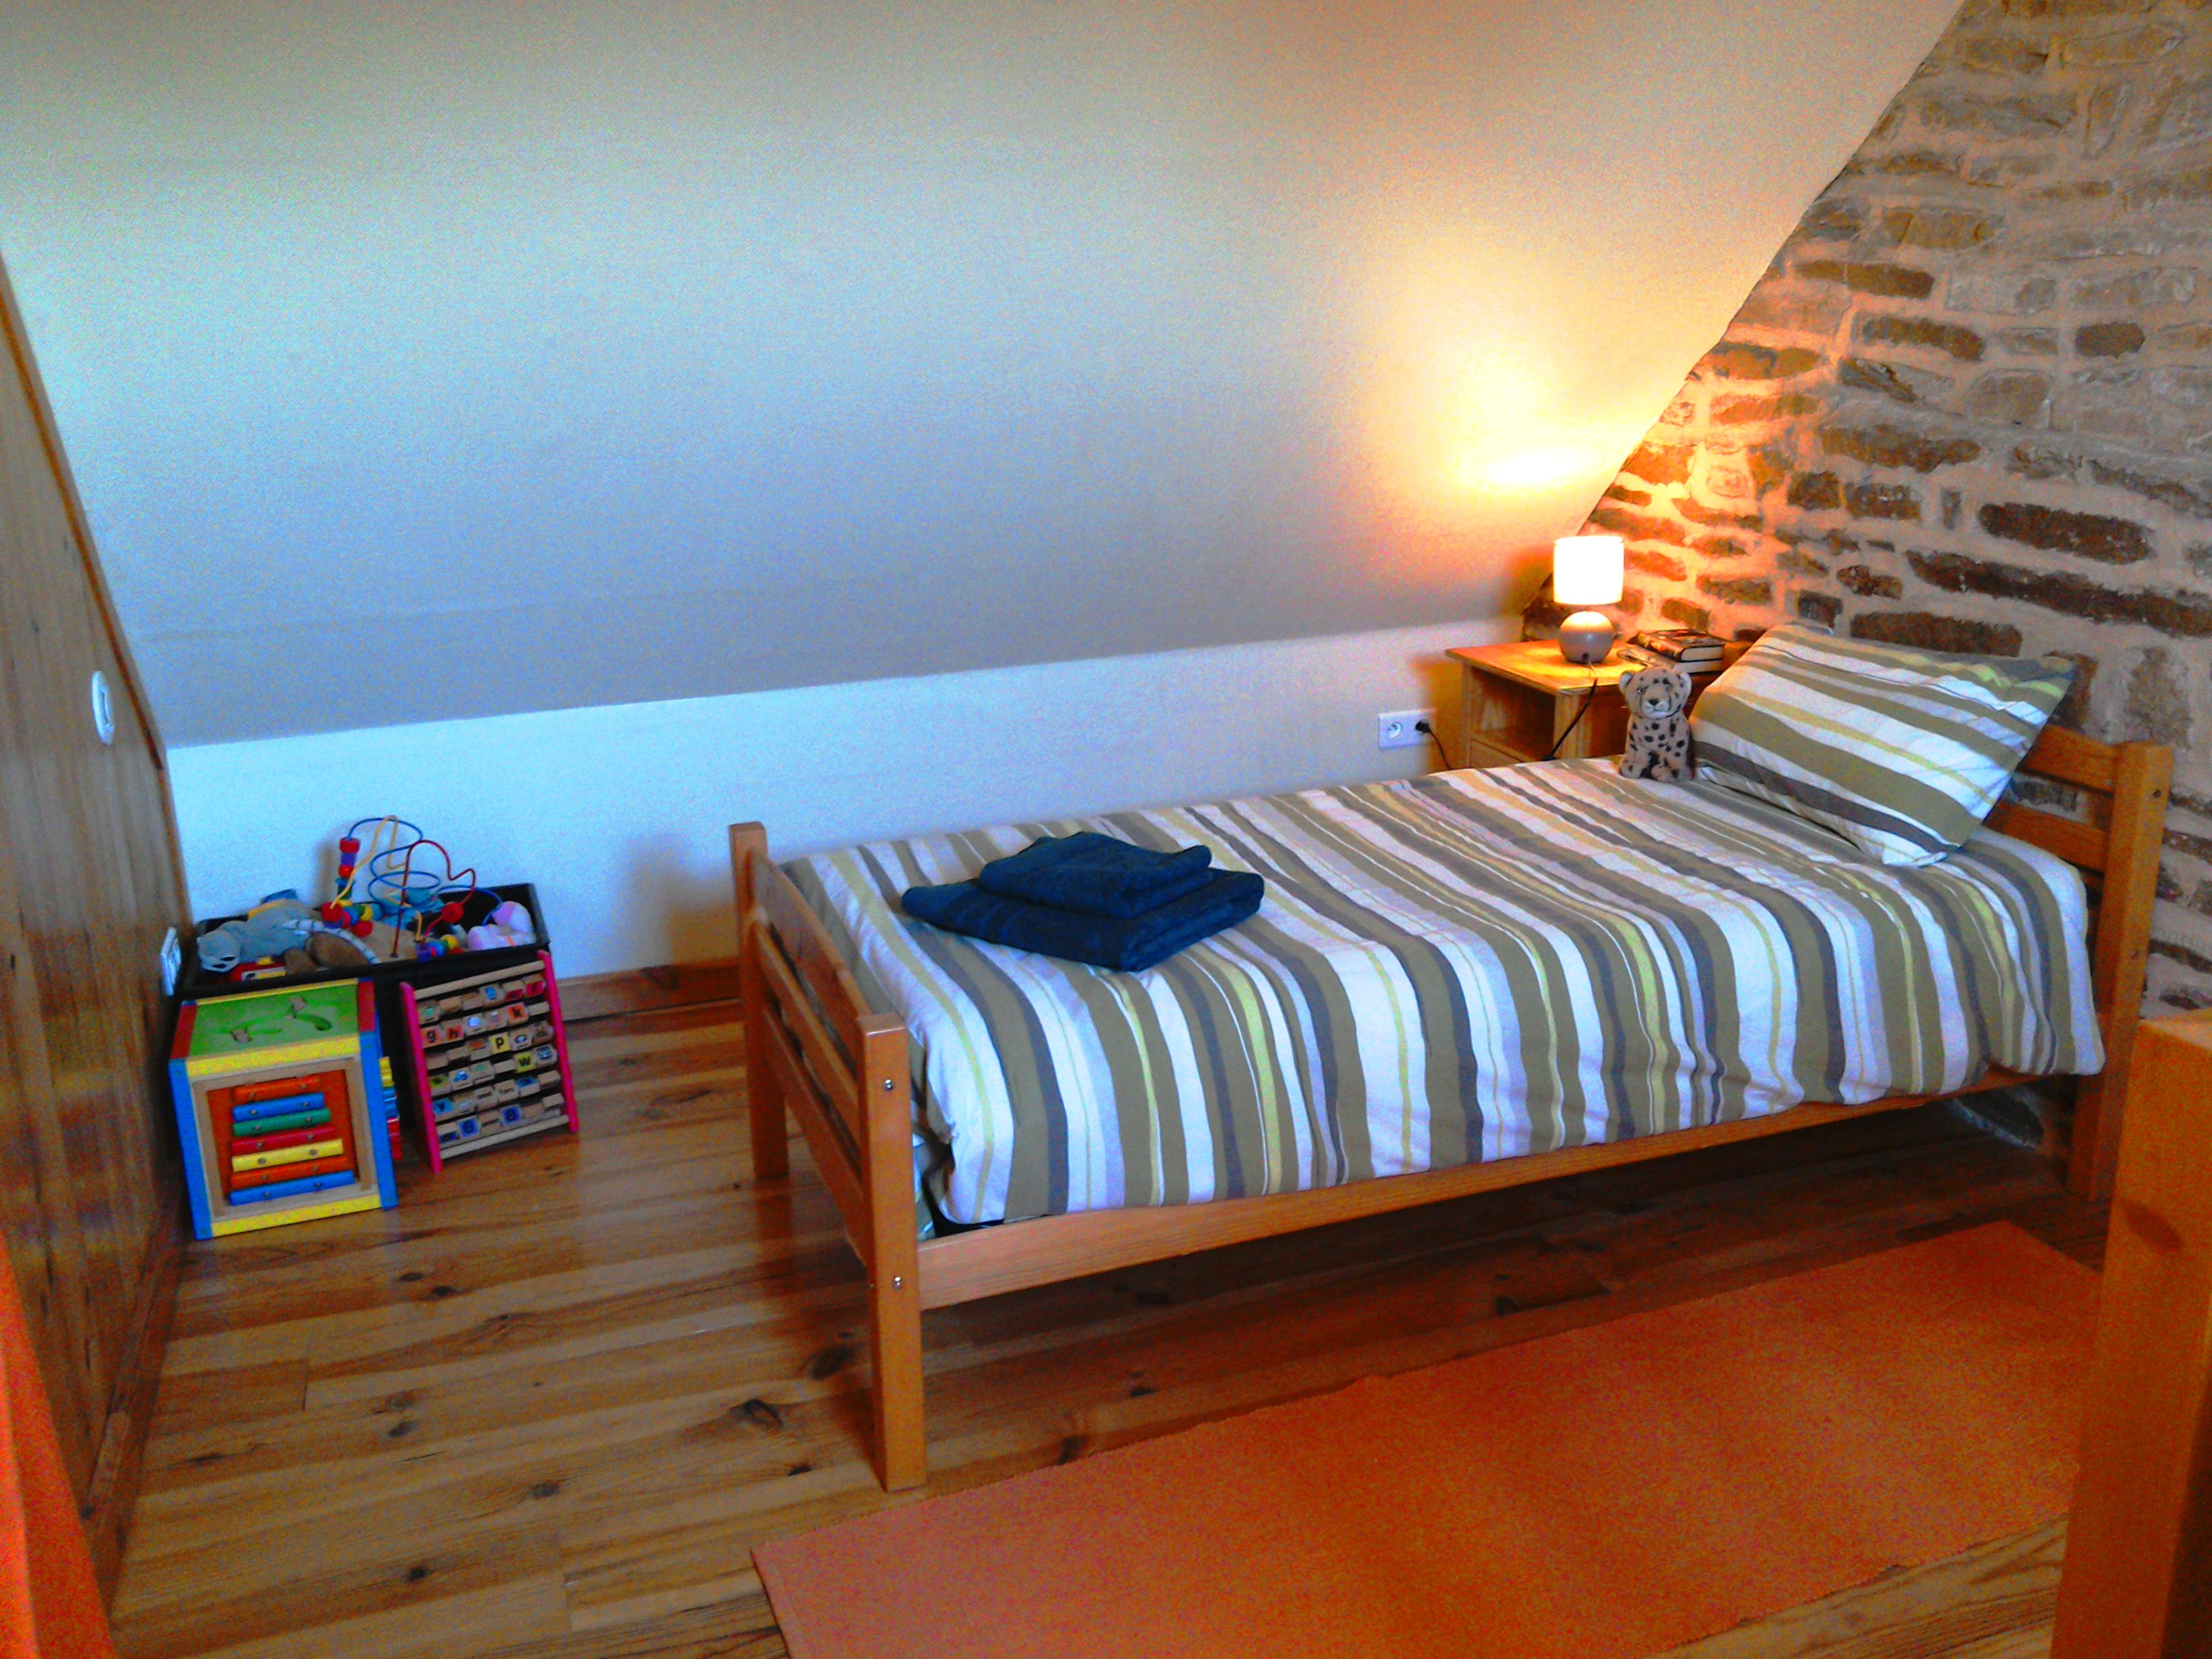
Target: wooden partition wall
(2138,1577)
(90,880)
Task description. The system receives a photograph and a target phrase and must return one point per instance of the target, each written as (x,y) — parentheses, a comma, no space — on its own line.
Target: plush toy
(1658,724)
(278,924)
(508,925)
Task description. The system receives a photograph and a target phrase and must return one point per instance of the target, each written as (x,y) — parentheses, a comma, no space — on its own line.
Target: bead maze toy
(400,906)
(492,1059)
(281,1106)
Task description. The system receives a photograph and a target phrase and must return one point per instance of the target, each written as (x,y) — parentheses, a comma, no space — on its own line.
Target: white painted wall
(617,814)
(431,361)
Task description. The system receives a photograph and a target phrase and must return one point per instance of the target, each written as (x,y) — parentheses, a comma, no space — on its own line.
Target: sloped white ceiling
(422,361)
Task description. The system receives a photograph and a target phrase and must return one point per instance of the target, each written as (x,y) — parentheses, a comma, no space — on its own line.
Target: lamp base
(1586,637)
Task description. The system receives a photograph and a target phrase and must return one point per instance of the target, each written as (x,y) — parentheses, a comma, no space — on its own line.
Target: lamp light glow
(1587,570)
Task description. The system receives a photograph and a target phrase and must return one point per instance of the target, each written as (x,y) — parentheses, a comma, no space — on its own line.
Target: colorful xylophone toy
(282,1106)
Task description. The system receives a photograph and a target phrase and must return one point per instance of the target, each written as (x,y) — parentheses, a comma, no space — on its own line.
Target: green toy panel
(274,1019)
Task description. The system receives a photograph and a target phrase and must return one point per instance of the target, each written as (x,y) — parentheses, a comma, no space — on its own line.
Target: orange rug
(1617,1491)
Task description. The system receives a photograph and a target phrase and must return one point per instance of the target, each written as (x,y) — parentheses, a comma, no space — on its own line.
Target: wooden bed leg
(894,1257)
(2138,1583)
(2120,950)
(771,1145)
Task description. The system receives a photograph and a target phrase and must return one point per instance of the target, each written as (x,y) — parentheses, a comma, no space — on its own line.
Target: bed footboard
(814,1049)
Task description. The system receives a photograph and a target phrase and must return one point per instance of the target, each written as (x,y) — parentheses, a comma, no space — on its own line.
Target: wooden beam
(771,1131)
(990,1260)
(2138,1577)
(2083,845)
(894,1271)
(2072,758)
(116,1472)
(2120,949)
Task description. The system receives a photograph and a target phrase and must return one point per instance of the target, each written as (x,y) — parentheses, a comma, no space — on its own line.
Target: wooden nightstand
(1515,699)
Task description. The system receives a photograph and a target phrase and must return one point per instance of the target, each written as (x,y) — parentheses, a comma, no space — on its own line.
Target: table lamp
(1586,570)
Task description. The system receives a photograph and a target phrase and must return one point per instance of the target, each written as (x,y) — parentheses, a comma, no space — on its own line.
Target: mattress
(1468,966)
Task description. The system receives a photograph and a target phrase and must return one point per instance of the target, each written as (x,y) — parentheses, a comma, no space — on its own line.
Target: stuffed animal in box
(1658,724)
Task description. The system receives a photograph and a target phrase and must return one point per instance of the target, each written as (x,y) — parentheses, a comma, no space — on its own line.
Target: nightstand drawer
(1518,701)
(1483,751)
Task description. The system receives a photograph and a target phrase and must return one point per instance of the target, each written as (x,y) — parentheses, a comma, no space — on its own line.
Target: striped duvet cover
(1468,966)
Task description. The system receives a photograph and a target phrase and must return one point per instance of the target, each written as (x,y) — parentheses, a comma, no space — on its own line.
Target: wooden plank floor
(548,1405)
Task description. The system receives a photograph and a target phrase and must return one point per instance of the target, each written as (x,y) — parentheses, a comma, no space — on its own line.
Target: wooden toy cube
(280,1104)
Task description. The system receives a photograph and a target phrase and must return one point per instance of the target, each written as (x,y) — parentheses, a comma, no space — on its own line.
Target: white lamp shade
(1586,570)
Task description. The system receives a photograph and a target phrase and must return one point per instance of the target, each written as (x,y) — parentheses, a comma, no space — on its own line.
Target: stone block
(1737,590)
(2176,495)
(1932,632)
(2135,44)
(1684,614)
(1639,526)
(2137,290)
(1899,382)
(2013,115)
(1792,307)
(1718,517)
(2088,535)
(1870,584)
(1816,491)
(1996,54)
(1661,464)
(1650,561)
(1743,359)
(2108,339)
(1894,281)
(2119,238)
(1833,216)
(1731,480)
(2183,113)
(2187,187)
(2194,499)
(2184,614)
(1878,501)
(2187,387)
(1752,411)
(1821,608)
(1948,228)
(2014,397)
(2107,108)
(2014,293)
(2073,710)
(2156,704)
(2028,342)
(1626,495)
(1888,446)
(1887,328)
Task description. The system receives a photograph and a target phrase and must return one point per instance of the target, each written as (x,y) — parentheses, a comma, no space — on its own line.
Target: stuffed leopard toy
(1658,725)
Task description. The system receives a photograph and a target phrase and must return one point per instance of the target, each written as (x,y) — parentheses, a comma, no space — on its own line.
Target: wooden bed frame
(816,1049)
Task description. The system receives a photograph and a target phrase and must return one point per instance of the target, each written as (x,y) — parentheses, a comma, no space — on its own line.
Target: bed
(1457,983)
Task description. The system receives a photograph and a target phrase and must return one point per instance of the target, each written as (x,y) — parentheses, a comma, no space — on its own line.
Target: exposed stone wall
(1970,403)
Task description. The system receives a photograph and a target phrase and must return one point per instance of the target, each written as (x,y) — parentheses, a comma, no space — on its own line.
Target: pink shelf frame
(423,1071)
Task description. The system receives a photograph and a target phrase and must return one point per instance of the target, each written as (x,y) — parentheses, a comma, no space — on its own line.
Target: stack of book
(1675,648)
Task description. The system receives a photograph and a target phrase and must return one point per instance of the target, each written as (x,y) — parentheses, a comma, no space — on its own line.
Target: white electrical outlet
(1400,728)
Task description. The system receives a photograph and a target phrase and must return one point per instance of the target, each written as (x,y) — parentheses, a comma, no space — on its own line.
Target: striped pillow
(1899,750)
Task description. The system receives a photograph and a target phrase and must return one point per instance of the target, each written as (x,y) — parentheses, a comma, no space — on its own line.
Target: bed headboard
(2117,847)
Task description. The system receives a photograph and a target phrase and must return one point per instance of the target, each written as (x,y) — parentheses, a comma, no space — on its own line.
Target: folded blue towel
(1130,943)
(1095,874)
